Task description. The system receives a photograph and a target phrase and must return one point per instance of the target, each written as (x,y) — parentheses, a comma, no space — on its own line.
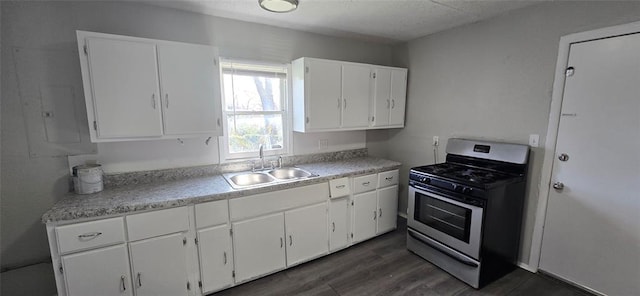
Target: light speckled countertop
(158,195)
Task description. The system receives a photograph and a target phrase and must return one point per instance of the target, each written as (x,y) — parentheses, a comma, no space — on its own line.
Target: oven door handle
(442,249)
(419,187)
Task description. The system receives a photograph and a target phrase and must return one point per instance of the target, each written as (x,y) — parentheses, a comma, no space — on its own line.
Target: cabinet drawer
(365,183)
(146,225)
(212,213)
(339,187)
(389,178)
(88,235)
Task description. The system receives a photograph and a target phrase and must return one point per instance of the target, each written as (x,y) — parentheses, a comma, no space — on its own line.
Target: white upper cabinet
(389,96)
(125,89)
(190,84)
(335,96)
(137,88)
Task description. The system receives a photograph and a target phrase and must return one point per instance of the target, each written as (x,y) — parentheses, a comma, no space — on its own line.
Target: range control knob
(466,190)
(425,180)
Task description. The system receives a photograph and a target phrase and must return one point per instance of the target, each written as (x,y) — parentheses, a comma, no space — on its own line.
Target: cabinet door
(387,208)
(216,258)
(338,226)
(365,215)
(258,246)
(99,272)
(190,85)
(160,265)
(356,94)
(381,97)
(323,94)
(124,83)
(306,230)
(398,96)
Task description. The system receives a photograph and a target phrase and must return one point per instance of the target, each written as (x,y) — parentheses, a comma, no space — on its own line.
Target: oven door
(450,222)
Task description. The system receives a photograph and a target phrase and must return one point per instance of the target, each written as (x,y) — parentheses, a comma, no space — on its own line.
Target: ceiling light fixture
(278,5)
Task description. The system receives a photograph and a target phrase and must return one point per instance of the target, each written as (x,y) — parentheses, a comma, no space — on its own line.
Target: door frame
(554,123)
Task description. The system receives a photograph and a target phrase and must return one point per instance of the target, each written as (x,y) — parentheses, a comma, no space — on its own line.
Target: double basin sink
(274,176)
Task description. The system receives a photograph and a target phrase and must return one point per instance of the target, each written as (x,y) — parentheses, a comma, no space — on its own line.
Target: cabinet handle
(224,255)
(340,186)
(166,100)
(334,226)
(339,103)
(122,283)
(290,240)
(139,280)
(345,103)
(218,121)
(393,104)
(375,215)
(388,104)
(380,211)
(153,101)
(366,183)
(89,236)
(281,243)
(388,178)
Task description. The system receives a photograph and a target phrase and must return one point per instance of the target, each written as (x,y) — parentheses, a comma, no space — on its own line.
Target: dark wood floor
(383,266)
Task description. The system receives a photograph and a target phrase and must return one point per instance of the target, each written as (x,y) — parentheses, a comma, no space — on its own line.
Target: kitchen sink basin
(255,179)
(289,173)
(250,179)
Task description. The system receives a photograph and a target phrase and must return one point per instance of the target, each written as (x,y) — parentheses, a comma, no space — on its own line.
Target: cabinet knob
(281,243)
(380,212)
(224,258)
(333,225)
(393,103)
(290,240)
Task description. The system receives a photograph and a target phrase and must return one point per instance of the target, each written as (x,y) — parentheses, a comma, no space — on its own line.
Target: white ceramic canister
(87,178)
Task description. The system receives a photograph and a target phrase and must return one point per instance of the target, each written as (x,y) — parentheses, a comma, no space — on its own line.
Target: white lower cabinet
(258,246)
(306,230)
(98,272)
(160,266)
(338,223)
(216,258)
(365,214)
(387,208)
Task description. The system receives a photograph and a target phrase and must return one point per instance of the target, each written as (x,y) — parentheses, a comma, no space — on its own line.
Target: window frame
(287,130)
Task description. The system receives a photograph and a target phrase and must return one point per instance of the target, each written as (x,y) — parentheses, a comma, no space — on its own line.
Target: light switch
(534,140)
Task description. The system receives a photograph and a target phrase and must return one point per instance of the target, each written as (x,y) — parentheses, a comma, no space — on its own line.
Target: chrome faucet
(261,153)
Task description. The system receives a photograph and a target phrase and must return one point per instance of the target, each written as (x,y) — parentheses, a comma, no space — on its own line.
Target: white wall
(32,182)
(489,80)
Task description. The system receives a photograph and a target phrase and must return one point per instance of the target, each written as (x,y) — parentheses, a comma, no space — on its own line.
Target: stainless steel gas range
(465,214)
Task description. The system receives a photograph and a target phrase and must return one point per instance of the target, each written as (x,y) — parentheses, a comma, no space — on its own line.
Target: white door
(592,227)
(307,235)
(387,208)
(381,97)
(99,272)
(338,226)
(323,94)
(365,215)
(356,94)
(190,86)
(398,96)
(124,81)
(160,266)
(258,246)
(216,258)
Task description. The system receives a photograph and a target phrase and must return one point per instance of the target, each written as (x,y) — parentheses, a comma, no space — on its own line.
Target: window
(254,105)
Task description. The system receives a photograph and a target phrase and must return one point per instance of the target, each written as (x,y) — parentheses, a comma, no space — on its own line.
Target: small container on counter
(87,178)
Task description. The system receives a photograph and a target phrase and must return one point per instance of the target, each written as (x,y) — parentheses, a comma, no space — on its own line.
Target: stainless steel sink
(255,179)
(250,179)
(289,173)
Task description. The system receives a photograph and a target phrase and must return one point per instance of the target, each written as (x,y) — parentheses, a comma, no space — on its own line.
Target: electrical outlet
(323,144)
(534,140)
(436,141)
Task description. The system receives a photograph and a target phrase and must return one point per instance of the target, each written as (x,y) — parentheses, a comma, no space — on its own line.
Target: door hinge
(569,72)
(86,49)
(231,231)
(188,286)
(195,240)
(306,69)
(352,235)
(61,269)
(184,241)
(233,274)
(200,284)
(373,75)
(95,125)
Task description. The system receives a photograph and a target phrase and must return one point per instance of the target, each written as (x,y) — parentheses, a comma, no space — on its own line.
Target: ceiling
(386,21)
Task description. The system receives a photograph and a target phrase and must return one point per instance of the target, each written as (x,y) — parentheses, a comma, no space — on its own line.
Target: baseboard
(526,267)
